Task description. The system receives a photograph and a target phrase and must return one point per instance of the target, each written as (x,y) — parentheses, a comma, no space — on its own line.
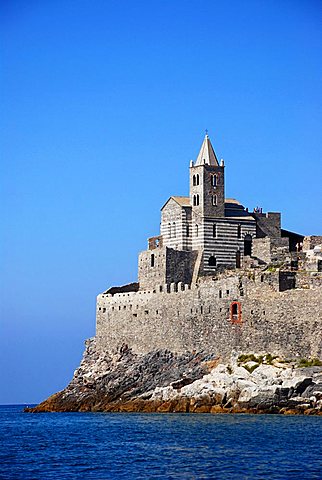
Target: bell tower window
(214,180)
(214,200)
(194,180)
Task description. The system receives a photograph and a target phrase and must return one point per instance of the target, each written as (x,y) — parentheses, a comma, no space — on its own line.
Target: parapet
(155,242)
(312,241)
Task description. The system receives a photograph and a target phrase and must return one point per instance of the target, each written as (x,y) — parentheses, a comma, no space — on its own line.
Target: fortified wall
(244,312)
(219,278)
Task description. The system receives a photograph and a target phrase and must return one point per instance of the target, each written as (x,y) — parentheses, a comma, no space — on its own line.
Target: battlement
(231,312)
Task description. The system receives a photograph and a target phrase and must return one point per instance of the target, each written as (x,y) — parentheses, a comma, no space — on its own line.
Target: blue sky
(103,105)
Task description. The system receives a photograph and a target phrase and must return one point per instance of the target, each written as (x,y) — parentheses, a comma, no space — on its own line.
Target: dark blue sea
(92,446)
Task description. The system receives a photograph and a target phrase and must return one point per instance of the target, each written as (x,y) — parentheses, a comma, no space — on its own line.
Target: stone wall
(312,241)
(164,266)
(268,224)
(186,319)
(271,250)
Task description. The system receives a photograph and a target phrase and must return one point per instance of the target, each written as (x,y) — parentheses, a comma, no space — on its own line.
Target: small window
(197,230)
(220,293)
(194,180)
(197,200)
(214,230)
(238,257)
(187,231)
(152,260)
(174,230)
(197,179)
(194,200)
(214,200)
(238,231)
(212,261)
(214,180)
(227,291)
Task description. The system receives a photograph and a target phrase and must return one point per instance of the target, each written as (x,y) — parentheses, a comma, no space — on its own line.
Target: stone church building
(206,232)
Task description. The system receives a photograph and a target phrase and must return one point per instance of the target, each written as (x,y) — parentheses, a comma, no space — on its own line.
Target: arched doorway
(247,245)
(235,312)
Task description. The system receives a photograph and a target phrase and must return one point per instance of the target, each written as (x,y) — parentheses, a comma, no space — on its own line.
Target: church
(206,232)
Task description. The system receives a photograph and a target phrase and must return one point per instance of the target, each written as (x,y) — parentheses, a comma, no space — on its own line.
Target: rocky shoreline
(194,382)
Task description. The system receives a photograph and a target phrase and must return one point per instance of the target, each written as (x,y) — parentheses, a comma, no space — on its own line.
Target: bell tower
(207,183)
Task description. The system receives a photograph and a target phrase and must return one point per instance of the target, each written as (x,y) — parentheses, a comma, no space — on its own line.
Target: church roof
(182,201)
(207,154)
(234,209)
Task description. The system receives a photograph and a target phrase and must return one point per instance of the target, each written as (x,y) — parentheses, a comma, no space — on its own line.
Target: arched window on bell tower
(214,200)
(214,180)
(194,180)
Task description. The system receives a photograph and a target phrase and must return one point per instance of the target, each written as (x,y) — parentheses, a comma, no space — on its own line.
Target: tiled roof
(183,201)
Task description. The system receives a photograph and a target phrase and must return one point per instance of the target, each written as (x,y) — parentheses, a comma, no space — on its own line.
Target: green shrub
(269,358)
(252,368)
(309,362)
(250,357)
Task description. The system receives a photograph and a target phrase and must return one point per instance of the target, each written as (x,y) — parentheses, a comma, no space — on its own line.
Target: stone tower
(207,183)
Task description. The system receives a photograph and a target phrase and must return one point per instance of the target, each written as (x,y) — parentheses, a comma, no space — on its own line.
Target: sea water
(92,446)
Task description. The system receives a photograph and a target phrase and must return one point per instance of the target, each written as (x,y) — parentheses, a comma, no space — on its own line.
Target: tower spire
(207,154)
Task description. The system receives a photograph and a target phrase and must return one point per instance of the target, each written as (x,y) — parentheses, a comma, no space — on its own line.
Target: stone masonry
(218,278)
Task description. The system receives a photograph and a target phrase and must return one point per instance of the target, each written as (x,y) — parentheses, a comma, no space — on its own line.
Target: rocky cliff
(163,381)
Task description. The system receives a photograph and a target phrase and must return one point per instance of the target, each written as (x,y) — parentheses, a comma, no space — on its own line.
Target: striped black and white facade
(220,230)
